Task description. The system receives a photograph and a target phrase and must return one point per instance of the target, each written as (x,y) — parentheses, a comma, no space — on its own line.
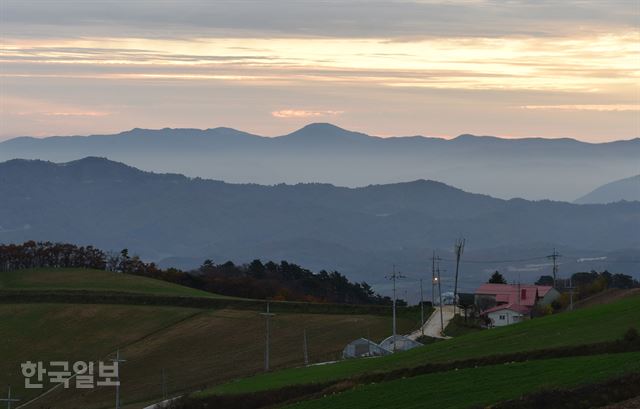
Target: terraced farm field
(195,347)
(589,325)
(221,350)
(479,386)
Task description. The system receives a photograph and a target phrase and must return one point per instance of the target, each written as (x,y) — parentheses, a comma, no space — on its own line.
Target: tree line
(589,283)
(585,283)
(282,281)
(578,286)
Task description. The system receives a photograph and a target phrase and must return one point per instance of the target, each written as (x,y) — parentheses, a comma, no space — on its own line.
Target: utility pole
(440,298)
(433,279)
(8,399)
(555,256)
(571,294)
(421,309)
(164,385)
(458,249)
(393,277)
(117,361)
(305,348)
(267,315)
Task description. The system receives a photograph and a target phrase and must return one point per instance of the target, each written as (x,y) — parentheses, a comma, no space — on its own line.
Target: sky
(510,68)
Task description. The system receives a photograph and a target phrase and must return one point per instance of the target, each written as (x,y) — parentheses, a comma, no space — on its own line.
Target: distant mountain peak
(472,137)
(322,126)
(100,167)
(319,128)
(324,132)
(93,160)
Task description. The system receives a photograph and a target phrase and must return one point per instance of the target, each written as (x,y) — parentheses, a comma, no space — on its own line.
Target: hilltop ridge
(531,168)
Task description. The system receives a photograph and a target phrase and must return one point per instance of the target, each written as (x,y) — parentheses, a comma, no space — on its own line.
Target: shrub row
(610,347)
(92,297)
(308,391)
(252,400)
(583,397)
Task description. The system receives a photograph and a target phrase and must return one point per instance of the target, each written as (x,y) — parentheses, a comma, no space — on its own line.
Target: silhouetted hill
(532,168)
(360,231)
(624,189)
(323,134)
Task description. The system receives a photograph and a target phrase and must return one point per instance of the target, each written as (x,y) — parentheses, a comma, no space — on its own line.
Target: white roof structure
(401,342)
(363,347)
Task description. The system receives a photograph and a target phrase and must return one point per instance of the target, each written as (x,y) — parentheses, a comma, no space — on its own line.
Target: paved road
(432,326)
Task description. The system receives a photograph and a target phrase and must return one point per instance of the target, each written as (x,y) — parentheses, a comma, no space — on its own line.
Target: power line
(522,260)
(497,261)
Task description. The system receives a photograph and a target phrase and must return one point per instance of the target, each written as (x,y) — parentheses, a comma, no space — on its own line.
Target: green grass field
(50,332)
(458,327)
(479,386)
(92,280)
(195,347)
(221,350)
(600,323)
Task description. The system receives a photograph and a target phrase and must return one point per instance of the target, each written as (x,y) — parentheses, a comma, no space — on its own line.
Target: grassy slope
(92,280)
(480,386)
(49,332)
(600,323)
(195,347)
(457,327)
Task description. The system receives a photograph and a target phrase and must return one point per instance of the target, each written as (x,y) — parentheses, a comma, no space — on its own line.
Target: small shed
(363,347)
(399,343)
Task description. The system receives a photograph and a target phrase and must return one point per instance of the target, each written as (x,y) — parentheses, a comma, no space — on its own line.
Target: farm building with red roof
(505,304)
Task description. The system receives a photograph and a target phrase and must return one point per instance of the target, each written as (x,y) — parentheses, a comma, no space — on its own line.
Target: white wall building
(506,314)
